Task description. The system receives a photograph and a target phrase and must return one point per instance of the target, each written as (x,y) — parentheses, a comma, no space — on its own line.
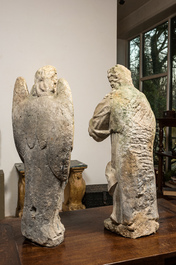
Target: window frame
(165,74)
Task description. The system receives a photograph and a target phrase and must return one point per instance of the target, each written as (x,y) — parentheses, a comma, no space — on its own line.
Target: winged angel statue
(43,124)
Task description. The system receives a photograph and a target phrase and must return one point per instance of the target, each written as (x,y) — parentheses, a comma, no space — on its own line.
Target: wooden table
(1,194)
(88,243)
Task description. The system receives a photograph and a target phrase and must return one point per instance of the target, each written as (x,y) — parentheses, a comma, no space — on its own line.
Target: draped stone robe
(126,116)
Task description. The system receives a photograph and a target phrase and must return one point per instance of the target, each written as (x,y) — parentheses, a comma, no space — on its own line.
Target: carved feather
(20,95)
(60,141)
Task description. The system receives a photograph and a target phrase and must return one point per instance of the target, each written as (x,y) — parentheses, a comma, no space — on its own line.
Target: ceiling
(128,7)
(136,16)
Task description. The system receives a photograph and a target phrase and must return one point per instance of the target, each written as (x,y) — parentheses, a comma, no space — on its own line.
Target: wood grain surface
(87,242)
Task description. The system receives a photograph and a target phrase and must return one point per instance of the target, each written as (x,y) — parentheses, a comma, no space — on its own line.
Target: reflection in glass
(156,50)
(134,50)
(156,92)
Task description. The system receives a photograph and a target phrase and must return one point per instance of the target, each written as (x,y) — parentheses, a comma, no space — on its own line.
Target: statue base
(135,230)
(46,236)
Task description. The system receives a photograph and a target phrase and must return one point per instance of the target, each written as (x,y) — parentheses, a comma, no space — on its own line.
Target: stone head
(45,81)
(119,75)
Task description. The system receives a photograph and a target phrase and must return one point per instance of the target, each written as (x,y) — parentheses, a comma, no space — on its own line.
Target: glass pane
(173,62)
(156,91)
(155,50)
(134,55)
(173,86)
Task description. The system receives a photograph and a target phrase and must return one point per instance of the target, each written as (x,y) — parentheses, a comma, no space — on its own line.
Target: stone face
(126,116)
(43,124)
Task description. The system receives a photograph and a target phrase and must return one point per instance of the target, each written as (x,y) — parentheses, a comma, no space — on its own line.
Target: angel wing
(63,89)
(20,92)
(20,95)
(45,122)
(24,118)
(61,143)
(65,96)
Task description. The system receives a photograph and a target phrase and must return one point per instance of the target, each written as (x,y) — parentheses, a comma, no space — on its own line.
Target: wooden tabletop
(88,243)
(73,164)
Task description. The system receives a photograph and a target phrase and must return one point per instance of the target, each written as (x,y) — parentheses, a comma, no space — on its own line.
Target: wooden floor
(88,243)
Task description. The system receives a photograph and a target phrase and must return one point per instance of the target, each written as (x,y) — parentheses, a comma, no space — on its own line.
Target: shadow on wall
(12,189)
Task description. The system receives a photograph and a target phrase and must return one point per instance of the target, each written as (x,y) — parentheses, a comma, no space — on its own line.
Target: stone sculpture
(43,131)
(126,116)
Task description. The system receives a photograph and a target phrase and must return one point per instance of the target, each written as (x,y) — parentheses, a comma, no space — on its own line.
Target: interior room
(83,39)
(72,36)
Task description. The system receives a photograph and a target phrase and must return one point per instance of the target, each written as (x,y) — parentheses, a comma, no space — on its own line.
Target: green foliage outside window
(173,62)
(155,50)
(156,93)
(134,50)
(154,76)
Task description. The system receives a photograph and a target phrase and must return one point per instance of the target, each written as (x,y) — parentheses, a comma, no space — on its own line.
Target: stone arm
(99,124)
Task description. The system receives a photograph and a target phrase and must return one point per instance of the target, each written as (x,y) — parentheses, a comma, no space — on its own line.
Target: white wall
(122,52)
(78,38)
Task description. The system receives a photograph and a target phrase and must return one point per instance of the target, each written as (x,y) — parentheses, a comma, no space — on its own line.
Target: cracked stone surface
(126,116)
(43,122)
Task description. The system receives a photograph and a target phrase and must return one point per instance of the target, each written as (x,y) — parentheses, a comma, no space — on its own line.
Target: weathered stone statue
(43,131)
(126,116)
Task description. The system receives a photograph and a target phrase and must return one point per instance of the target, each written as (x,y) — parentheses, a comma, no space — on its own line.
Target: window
(152,61)
(156,93)
(134,47)
(148,62)
(155,50)
(173,63)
